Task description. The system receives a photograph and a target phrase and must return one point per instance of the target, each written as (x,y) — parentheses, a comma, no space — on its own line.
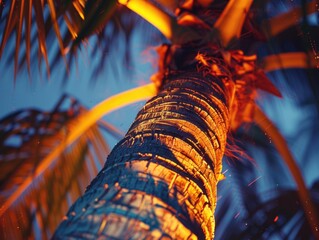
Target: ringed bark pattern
(160,181)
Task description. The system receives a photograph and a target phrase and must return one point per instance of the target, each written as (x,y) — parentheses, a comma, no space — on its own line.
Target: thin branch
(266,124)
(79,126)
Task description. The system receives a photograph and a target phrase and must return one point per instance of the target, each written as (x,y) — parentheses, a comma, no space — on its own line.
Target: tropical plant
(160,180)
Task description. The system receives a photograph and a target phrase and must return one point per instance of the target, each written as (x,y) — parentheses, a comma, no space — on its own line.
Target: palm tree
(160,179)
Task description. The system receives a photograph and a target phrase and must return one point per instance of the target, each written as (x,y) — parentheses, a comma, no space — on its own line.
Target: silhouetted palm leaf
(29,13)
(285,219)
(72,22)
(26,138)
(277,215)
(238,194)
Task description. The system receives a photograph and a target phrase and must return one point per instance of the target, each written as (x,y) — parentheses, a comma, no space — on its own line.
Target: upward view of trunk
(160,180)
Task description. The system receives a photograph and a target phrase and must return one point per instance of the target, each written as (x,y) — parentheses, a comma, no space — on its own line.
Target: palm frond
(77,17)
(27,137)
(168,25)
(91,23)
(115,38)
(280,216)
(289,60)
(282,22)
(235,11)
(240,192)
(282,147)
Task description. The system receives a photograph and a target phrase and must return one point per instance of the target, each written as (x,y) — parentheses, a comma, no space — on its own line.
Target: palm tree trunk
(160,180)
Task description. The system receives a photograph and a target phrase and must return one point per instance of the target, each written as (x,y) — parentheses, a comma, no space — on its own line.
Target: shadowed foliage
(27,136)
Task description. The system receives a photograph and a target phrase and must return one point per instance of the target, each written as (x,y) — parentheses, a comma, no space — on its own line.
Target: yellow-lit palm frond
(289,60)
(176,28)
(230,23)
(167,24)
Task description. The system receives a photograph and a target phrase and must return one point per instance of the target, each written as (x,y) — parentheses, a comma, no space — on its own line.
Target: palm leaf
(168,25)
(279,216)
(289,60)
(282,22)
(235,11)
(115,36)
(46,15)
(238,195)
(284,217)
(261,119)
(91,23)
(27,137)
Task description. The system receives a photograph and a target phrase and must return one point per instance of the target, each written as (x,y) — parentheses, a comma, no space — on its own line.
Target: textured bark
(160,180)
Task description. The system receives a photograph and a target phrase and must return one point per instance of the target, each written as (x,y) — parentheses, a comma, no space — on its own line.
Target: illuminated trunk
(160,180)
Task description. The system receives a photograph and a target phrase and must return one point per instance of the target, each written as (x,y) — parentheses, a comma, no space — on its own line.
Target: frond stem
(165,23)
(278,24)
(289,60)
(230,23)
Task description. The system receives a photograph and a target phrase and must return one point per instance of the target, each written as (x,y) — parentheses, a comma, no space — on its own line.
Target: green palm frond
(26,138)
